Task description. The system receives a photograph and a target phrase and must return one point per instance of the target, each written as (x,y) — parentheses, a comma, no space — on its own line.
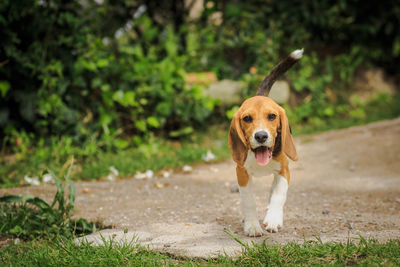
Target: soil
(345,184)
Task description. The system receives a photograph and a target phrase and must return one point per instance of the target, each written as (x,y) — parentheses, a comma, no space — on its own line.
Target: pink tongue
(262,157)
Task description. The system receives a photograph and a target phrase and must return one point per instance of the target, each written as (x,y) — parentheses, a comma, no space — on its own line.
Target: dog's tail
(278,70)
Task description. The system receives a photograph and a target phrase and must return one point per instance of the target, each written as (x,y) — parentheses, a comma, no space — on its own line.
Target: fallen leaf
(187,169)
(31,180)
(160,185)
(86,190)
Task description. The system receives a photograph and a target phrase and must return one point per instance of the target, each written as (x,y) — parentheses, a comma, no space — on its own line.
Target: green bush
(61,78)
(102,71)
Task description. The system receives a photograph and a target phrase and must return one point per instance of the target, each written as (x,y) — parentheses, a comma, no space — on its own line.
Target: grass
(29,217)
(157,155)
(64,252)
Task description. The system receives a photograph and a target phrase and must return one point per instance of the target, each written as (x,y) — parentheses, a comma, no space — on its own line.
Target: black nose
(261,136)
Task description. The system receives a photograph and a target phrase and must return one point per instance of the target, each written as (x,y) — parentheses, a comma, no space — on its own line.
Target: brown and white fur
(261,142)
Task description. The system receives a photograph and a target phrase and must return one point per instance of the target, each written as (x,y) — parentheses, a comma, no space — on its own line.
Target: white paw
(273,220)
(252,228)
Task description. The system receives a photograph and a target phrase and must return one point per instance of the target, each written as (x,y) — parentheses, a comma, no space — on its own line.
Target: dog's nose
(261,136)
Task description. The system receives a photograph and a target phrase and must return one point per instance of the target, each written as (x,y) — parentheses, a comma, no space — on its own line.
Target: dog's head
(260,125)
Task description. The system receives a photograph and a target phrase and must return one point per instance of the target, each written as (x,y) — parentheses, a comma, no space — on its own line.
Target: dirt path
(346,183)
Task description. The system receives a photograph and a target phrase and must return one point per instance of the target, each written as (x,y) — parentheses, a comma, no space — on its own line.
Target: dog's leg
(273,220)
(252,226)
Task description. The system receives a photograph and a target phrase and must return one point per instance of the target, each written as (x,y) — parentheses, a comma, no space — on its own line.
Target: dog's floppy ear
(237,141)
(287,140)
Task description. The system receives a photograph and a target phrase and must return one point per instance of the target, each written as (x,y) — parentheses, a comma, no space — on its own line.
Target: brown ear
(237,141)
(287,139)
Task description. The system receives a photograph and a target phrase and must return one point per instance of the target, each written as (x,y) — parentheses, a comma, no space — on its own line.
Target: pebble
(234,188)
(350,225)
(352,167)
(167,245)
(325,211)
(214,170)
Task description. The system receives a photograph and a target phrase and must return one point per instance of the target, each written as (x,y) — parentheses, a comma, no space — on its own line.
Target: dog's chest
(254,169)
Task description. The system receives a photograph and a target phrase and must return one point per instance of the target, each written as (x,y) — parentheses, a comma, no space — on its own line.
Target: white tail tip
(297,54)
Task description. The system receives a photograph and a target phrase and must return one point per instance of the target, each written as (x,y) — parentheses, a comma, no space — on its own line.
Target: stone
(227,91)
(204,78)
(369,83)
(350,225)
(178,239)
(280,92)
(234,188)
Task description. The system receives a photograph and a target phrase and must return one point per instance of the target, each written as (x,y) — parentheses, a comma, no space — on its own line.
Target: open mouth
(263,154)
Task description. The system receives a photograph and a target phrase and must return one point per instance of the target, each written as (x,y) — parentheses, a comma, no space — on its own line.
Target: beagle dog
(261,142)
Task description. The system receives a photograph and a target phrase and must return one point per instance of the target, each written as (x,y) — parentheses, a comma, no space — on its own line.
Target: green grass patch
(94,163)
(29,217)
(64,252)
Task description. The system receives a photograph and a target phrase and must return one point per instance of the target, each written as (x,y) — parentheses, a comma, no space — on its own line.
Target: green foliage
(68,72)
(35,63)
(87,79)
(73,81)
(254,33)
(30,217)
(254,37)
(344,115)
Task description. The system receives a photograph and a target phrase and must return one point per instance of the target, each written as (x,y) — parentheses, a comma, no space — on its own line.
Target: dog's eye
(248,119)
(271,117)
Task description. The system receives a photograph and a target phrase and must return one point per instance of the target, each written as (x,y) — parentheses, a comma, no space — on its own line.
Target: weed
(29,217)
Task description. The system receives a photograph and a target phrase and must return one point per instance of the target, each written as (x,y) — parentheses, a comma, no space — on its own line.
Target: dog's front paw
(252,228)
(273,220)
